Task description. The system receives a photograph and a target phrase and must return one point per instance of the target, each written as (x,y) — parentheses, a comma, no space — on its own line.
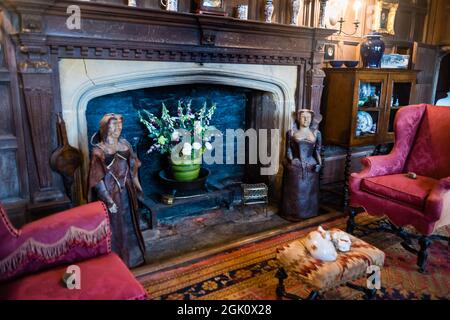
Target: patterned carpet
(247,273)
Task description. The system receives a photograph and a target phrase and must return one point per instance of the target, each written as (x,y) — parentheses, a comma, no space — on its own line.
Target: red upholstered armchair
(34,259)
(383,188)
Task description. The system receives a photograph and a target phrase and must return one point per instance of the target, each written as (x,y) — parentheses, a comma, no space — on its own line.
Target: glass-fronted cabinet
(399,96)
(368,114)
(360,105)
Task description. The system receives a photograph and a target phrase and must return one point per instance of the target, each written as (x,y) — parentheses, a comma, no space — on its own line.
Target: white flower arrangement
(188,131)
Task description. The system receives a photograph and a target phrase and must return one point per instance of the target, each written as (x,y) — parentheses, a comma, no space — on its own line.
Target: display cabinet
(359,107)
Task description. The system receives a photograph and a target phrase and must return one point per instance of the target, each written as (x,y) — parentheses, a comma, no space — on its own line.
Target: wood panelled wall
(13,167)
(410,26)
(439,23)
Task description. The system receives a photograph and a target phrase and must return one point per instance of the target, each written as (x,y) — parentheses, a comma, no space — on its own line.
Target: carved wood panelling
(6,124)
(161,54)
(9,178)
(13,171)
(38,103)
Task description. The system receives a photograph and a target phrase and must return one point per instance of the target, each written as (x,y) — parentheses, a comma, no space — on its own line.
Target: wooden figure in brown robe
(113,178)
(301,169)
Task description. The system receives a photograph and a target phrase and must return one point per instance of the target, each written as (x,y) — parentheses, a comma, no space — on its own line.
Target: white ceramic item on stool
(319,245)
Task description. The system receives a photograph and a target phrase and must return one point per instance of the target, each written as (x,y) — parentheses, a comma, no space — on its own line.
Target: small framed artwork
(384,17)
(330,52)
(395,61)
(213,7)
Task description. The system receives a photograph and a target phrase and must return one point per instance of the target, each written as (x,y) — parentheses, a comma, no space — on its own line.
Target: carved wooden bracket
(208,39)
(31,23)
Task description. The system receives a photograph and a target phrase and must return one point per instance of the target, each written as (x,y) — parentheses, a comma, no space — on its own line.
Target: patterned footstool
(320,276)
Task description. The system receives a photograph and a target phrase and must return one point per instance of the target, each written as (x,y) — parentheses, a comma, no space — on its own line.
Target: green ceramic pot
(186,171)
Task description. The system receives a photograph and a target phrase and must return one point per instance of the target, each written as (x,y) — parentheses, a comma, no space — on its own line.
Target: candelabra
(341,23)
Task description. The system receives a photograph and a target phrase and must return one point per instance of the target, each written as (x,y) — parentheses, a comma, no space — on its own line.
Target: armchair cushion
(400,188)
(102,278)
(73,235)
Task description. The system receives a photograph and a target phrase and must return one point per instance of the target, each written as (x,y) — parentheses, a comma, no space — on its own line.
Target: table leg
(348,164)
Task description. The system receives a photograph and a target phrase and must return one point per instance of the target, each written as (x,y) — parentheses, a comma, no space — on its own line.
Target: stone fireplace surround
(38,43)
(82,80)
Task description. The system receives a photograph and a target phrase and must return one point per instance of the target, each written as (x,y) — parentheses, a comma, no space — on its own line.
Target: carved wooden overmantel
(118,32)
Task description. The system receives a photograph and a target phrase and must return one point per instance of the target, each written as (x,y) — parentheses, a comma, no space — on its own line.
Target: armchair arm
(377,166)
(69,236)
(438,202)
(380,166)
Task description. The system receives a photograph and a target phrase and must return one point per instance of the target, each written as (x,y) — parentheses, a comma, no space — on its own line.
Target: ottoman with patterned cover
(320,276)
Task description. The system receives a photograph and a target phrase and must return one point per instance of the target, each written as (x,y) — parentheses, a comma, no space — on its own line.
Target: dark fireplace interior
(237,108)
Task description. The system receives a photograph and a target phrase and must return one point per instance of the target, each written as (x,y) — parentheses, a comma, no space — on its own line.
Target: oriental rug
(247,272)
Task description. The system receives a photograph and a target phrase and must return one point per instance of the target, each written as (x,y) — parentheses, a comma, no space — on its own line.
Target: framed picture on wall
(384,17)
(330,52)
(213,7)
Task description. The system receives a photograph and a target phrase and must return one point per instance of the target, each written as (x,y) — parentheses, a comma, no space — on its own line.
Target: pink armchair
(33,259)
(382,188)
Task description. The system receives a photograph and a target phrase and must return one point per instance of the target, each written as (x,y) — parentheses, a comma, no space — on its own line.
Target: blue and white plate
(364,121)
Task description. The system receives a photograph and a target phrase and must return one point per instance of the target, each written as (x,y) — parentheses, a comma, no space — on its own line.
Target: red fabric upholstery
(102,278)
(430,155)
(69,236)
(78,236)
(398,187)
(422,145)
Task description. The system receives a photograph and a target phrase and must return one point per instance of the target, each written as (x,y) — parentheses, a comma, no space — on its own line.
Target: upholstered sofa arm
(438,202)
(67,237)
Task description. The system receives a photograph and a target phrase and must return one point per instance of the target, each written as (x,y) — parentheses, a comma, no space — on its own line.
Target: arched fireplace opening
(238,108)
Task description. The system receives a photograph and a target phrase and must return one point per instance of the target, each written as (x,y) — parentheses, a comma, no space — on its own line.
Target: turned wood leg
(422,257)
(281,275)
(322,156)
(351,223)
(377,150)
(348,164)
(370,294)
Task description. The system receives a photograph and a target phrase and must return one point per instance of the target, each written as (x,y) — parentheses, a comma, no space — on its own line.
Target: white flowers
(196,146)
(187,149)
(198,127)
(175,136)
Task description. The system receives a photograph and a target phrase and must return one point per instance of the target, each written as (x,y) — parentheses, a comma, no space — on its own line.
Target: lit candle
(356,7)
(344,8)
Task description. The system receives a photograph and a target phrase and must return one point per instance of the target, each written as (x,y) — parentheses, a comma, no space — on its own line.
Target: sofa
(34,259)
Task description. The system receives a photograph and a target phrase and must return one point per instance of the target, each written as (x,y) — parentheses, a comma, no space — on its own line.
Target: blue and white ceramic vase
(372,50)
(268,11)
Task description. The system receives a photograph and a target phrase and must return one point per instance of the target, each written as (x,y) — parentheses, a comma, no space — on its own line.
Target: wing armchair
(384,188)
(33,259)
